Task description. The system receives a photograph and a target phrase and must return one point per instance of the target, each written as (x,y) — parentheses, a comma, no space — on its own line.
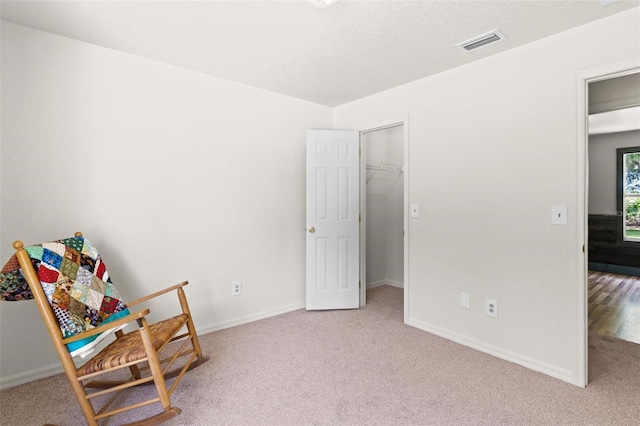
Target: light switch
(465,300)
(558,215)
(415,210)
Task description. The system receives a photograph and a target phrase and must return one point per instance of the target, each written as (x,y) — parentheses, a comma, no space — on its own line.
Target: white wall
(208,177)
(602,168)
(385,208)
(492,146)
(200,178)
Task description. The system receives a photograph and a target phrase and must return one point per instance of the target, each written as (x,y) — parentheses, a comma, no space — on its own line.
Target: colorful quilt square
(101,270)
(47,275)
(94,299)
(64,284)
(49,289)
(55,247)
(72,255)
(63,316)
(69,268)
(98,285)
(87,263)
(51,258)
(89,250)
(112,292)
(35,252)
(13,287)
(79,293)
(12,265)
(92,316)
(76,307)
(75,243)
(83,277)
(109,305)
(60,299)
(76,324)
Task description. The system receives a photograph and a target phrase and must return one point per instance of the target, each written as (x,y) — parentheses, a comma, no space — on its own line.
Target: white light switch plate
(415,210)
(465,300)
(558,215)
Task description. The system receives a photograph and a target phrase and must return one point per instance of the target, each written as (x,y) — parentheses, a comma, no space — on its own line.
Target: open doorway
(613,278)
(584,79)
(383,207)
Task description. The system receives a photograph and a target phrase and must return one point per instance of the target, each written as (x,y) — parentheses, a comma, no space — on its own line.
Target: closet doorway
(383,209)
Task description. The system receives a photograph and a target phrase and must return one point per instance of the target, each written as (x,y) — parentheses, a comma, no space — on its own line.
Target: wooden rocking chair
(137,351)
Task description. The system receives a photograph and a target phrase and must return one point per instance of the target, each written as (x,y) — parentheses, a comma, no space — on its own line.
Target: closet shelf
(382,168)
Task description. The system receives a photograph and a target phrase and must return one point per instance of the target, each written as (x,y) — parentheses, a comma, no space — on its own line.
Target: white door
(333,238)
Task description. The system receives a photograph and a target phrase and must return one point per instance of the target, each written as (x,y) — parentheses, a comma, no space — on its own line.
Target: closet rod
(384,167)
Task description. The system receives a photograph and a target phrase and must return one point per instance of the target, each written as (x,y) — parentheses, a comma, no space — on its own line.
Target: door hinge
(583,248)
(359,284)
(359,218)
(359,152)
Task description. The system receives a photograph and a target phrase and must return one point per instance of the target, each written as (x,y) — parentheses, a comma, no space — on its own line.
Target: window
(629,194)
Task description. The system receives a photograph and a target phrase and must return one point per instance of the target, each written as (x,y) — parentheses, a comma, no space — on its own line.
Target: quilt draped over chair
(80,306)
(77,285)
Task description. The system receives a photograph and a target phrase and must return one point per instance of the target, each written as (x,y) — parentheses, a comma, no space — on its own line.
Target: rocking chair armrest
(156,294)
(107,326)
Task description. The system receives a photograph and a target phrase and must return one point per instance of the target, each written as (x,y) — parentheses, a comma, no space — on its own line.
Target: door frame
(581,328)
(363,204)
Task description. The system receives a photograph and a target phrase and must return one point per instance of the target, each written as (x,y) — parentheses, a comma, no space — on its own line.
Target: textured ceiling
(329,56)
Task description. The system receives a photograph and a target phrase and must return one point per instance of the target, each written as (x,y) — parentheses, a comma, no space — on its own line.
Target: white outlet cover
(491,307)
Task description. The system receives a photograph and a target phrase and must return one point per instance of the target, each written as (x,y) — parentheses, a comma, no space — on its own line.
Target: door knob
(312,229)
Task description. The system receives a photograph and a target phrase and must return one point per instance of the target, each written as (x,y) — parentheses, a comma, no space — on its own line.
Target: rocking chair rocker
(79,306)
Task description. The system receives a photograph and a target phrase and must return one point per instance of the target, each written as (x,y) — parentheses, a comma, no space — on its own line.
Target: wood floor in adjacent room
(614,305)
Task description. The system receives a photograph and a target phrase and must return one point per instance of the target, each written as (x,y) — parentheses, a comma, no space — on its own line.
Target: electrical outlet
(236,288)
(465,300)
(491,307)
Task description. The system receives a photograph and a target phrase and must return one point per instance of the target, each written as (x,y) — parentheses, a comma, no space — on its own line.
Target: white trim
(405,175)
(378,283)
(386,126)
(246,319)
(615,121)
(579,308)
(52,370)
(363,238)
(30,376)
(363,220)
(530,363)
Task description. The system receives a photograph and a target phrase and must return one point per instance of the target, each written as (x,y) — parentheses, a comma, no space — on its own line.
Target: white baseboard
(30,376)
(392,283)
(52,370)
(530,363)
(234,322)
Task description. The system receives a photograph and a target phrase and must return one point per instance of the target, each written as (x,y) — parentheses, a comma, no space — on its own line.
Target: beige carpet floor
(364,367)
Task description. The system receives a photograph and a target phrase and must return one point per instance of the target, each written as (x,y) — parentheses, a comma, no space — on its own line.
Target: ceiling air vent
(482,40)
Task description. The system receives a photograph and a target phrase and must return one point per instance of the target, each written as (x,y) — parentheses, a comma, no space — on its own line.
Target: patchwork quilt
(76,283)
